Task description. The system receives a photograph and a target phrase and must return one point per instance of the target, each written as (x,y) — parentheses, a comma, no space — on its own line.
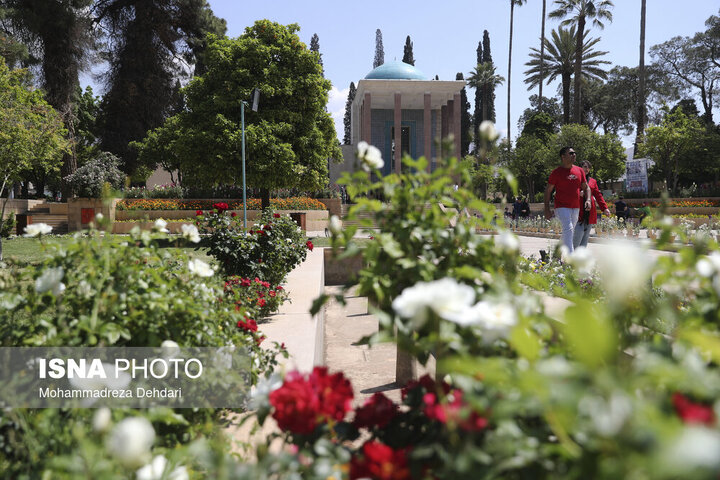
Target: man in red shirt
(567,180)
(587,219)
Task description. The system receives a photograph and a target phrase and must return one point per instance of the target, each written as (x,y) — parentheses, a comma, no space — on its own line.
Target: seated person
(643,211)
(524,208)
(621,209)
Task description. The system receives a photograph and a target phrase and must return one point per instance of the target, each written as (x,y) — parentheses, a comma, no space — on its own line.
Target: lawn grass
(21,251)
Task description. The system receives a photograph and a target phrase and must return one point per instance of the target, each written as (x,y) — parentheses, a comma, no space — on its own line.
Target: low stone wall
(18,206)
(340,272)
(334,205)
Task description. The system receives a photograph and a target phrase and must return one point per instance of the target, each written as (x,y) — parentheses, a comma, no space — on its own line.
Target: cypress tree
(477,113)
(465,119)
(347,140)
(379,52)
(408,52)
(488,95)
(315,47)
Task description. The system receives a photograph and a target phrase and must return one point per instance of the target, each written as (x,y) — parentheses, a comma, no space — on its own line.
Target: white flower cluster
(709,267)
(335,225)
(190,232)
(455,302)
(160,226)
(50,280)
(370,157)
(35,229)
(200,268)
(487,131)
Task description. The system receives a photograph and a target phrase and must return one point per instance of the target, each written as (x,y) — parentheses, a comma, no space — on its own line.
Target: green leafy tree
(347,120)
(605,152)
(642,74)
(580,11)
(670,146)
(31,131)
(379,51)
(689,62)
(484,80)
(465,119)
(60,38)
(530,161)
(560,60)
(145,37)
(315,47)
(542,51)
(487,96)
(289,139)
(408,56)
(550,106)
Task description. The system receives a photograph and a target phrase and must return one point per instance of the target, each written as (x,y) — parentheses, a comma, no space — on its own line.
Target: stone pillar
(366,107)
(451,121)
(427,132)
(457,127)
(398,132)
(443,129)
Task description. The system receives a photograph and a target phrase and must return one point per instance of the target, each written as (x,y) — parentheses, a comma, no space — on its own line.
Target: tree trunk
(542,56)
(640,134)
(512,10)
(265,197)
(566,97)
(577,106)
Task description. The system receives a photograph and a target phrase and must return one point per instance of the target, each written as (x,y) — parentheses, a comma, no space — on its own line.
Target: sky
(445,37)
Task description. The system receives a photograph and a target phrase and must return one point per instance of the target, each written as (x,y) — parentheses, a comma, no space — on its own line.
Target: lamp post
(254,108)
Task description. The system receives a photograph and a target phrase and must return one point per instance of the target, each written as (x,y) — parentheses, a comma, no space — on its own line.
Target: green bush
(7,226)
(270,251)
(88,180)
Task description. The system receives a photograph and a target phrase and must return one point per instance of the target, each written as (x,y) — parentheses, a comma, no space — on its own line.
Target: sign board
(636,175)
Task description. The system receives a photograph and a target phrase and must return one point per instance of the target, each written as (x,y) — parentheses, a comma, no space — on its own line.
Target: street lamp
(254,108)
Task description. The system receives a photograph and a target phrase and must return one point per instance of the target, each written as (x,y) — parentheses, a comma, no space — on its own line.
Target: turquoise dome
(396,71)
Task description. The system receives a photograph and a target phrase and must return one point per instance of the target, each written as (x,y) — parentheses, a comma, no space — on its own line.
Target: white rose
(446,297)
(695,447)
(190,232)
(102,420)
(50,280)
(155,470)
(130,441)
(626,270)
(487,131)
(507,242)
(495,320)
(200,268)
(583,260)
(335,225)
(370,157)
(35,229)
(160,225)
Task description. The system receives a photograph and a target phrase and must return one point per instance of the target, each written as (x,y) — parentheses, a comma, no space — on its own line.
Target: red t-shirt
(567,183)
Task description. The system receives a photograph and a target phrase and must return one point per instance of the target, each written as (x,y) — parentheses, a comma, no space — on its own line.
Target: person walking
(567,180)
(589,218)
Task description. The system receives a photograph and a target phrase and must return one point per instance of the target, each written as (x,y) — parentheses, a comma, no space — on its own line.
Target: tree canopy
(288,140)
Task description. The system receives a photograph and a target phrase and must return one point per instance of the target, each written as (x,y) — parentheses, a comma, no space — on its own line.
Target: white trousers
(568,218)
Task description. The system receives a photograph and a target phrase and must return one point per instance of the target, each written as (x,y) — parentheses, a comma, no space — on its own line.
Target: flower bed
(295,203)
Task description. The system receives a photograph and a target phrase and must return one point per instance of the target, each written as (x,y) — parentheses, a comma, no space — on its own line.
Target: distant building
(397,105)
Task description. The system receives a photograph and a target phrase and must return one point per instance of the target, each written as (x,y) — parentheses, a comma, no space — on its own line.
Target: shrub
(88,180)
(7,227)
(268,252)
(296,203)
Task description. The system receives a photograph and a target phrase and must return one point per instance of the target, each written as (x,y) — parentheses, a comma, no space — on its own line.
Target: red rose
(454,411)
(198,213)
(245,282)
(276,215)
(272,293)
(309,245)
(261,302)
(220,207)
(427,383)
(233,214)
(378,410)
(302,403)
(248,325)
(295,404)
(691,412)
(380,462)
(279,288)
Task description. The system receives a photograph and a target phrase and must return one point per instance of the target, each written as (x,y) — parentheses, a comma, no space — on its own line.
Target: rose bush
(268,251)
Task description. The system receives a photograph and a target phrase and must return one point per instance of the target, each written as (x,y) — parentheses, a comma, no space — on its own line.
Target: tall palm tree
(559,61)
(542,52)
(484,76)
(640,134)
(580,11)
(512,15)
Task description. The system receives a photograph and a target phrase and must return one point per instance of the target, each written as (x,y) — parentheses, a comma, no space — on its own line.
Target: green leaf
(590,334)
